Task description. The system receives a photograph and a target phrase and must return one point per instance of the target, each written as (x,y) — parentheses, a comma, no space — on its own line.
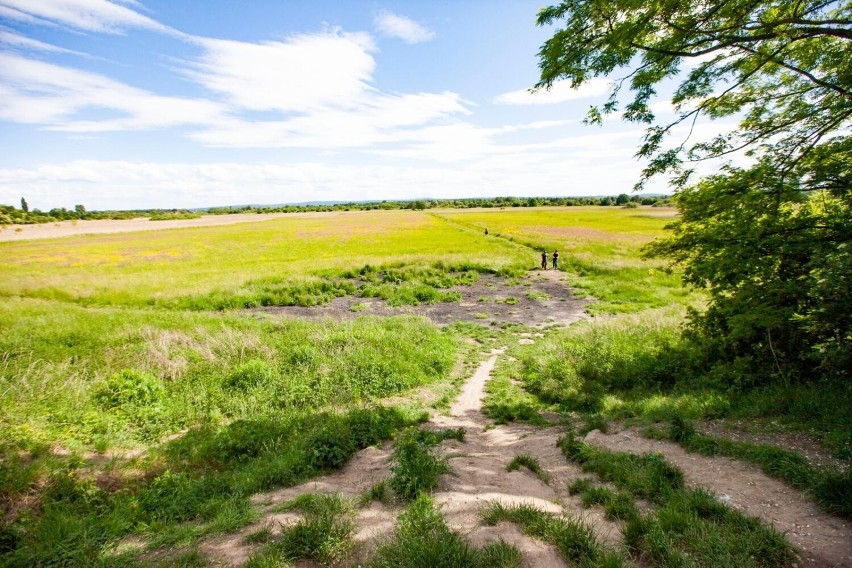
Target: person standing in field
(544,260)
(555,260)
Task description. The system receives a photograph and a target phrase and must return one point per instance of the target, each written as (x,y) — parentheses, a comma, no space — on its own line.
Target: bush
(129,387)
(331,446)
(250,374)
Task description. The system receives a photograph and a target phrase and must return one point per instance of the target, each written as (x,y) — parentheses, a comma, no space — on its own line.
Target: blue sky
(189,103)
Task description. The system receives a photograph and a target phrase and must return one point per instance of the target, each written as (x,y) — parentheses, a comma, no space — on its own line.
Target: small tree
(25,207)
(622,199)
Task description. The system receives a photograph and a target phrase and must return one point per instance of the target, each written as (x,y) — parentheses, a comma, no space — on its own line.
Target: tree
(25,206)
(80,210)
(769,236)
(622,199)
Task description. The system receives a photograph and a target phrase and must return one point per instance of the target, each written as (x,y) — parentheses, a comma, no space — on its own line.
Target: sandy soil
(75,228)
(542,299)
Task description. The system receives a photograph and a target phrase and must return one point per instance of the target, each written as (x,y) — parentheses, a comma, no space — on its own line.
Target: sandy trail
(478,476)
(111,226)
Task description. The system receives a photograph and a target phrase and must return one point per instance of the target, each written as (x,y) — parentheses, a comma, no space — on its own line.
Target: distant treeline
(10,215)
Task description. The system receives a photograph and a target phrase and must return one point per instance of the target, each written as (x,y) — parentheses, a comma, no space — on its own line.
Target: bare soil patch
(540,299)
(105,226)
(802,443)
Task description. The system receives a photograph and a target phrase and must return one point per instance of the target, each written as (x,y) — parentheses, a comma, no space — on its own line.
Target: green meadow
(139,399)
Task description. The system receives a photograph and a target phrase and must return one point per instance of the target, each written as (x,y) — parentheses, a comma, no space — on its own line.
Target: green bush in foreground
(208,476)
(416,468)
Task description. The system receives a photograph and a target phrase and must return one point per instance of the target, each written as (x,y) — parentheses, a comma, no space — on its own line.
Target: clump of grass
(537,295)
(416,467)
(423,539)
(505,402)
(832,490)
(379,491)
(531,463)
(594,422)
(575,540)
(324,534)
(688,526)
(617,505)
(261,536)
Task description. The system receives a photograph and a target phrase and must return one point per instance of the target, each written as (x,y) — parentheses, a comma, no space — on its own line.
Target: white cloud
(12,39)
(122,184)
(35,92)
(298,74)
(406,29)
(560,92)
(89,15)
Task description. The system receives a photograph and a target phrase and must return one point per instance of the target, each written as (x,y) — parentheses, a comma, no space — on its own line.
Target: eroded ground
(540,299)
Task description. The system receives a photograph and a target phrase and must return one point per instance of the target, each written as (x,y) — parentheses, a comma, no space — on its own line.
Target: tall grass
(65,382)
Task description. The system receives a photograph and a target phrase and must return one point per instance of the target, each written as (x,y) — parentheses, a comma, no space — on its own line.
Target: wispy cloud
(406,29)
(123,184)
(12,39)
(35,92)
(89,15)
(559,93)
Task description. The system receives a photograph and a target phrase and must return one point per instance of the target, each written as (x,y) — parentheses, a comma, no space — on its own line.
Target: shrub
(249,374)
(129,387)
(331,446)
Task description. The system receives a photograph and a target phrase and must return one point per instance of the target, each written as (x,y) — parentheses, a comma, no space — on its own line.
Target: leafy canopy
(770,240)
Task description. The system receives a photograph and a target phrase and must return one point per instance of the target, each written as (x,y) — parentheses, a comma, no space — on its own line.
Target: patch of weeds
(594,422)
(537,295)
(831,489)
(499,554)
(505,402)
(324,534)
(481,315)
(379,491)
(416,467)
(261,536)
(574,539)
(688,527)
(531,463)
(358,307)
(617,505)
(423,539)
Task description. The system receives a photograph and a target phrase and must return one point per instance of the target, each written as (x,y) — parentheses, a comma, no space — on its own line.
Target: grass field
(140,268)
(600,248)
(132,342)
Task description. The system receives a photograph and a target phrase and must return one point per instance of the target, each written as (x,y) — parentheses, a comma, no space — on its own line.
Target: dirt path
(110,226)
(478,475)
(823,540)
